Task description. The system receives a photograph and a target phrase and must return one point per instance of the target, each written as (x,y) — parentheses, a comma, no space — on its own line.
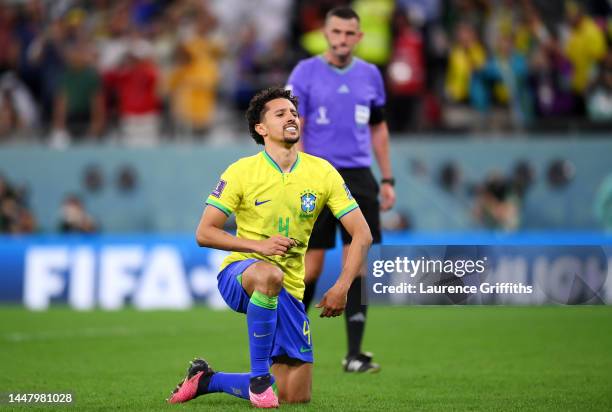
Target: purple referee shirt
(336,104)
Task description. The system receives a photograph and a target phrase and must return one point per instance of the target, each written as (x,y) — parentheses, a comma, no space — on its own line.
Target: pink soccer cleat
(262,392)
(266,399)
(194,384)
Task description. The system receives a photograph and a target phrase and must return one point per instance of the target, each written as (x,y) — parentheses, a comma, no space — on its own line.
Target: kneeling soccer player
(276,196)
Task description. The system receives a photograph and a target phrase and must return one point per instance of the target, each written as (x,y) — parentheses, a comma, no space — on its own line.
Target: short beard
(343,58)
(291,140)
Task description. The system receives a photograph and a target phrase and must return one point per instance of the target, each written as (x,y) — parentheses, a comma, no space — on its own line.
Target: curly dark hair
(257,107)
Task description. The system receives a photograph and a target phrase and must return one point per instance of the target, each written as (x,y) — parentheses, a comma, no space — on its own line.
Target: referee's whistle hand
(387,197)
(276,245)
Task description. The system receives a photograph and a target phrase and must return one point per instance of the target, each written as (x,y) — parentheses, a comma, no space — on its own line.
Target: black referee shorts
(364,188)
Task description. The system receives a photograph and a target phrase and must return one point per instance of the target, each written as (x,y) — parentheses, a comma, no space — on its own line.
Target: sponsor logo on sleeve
(348,192)
(219,188)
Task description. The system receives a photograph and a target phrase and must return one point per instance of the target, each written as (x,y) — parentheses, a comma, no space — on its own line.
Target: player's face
(281,123)
(342,36)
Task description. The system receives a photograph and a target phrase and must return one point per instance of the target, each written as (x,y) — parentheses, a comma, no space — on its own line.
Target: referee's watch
(388,180)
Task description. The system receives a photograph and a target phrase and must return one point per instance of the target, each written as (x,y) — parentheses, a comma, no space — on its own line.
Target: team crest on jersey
(219,188)
(308,201)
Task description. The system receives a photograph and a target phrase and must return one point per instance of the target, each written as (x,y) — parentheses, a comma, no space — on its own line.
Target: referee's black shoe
(361,363)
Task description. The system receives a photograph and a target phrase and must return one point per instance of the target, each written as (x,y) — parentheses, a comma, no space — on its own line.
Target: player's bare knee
(275,279)
(271,279)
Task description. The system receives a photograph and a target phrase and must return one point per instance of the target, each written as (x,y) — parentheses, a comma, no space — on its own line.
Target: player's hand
(333,302)
(387,196)
(276,245)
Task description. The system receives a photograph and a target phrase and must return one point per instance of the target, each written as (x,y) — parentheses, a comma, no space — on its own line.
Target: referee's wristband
(388,180)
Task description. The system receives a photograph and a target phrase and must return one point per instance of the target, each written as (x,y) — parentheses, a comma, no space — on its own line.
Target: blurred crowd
(541,62)
(134,71)
(137,71)
(16,215)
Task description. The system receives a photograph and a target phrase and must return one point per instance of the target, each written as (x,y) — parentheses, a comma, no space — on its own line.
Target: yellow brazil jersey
(268,202)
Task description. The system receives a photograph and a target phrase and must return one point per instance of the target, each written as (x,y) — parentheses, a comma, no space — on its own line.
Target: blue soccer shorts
(292,338)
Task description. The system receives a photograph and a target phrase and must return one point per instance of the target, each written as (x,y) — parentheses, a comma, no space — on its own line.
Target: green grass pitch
(433,358)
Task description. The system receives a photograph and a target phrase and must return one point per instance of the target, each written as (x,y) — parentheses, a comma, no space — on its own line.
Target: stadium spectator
(406,78)
(474,13)
(599,100)
(164,40)
(246,81)
(271,19)
(497,205)
(376,15)
(585,47)
(74,218)
(18,114)
(193,81)
(113,39)
(79,109)
(549,78)
(15,217)
(467,55)
(46,55)
(503,79)
(192,87)
(135,85)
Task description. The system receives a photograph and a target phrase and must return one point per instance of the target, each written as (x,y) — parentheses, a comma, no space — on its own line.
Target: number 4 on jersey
(284,229)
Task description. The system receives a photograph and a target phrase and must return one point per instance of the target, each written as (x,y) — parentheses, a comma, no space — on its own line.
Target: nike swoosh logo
(262,202)
(304,349)
(260,336)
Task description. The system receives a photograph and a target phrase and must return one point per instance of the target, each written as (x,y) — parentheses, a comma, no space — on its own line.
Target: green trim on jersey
(271,161)
(346,210)
(297,162)
(276,166)
(219,206)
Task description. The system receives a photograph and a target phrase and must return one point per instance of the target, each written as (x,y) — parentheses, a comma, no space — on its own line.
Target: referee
(341,107)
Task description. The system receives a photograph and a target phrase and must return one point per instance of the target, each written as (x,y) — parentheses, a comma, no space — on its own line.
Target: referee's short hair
(343,12)
(257,107)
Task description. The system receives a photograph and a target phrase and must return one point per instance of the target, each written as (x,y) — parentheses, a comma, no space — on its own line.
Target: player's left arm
(380,146)
(334,300)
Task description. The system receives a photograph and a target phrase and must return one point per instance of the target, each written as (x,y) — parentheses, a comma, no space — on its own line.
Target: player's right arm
(210,233)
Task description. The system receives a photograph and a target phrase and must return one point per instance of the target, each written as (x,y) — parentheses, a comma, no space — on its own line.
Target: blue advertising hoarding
(172,272)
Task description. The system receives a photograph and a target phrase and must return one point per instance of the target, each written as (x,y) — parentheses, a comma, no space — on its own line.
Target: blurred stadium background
(116,118)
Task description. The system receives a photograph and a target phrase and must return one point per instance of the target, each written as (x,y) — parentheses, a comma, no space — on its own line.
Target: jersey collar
(337,69)
(276,166)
